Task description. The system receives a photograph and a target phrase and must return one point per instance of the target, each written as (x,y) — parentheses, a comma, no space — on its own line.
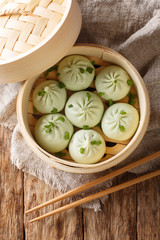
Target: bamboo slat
(26,23)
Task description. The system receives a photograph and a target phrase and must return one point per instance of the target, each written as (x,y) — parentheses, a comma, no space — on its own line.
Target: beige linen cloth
(132,28)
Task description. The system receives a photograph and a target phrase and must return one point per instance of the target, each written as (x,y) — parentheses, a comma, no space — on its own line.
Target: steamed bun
(76,72)
(49,95)
(87,146)
(120,121)
(53,132)
(84,109)
(113,82)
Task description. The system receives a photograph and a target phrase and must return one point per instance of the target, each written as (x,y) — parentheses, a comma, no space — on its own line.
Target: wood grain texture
(117,221)
(123,215)
(97,225)
(11,193)
(133,213)
(148,210)
(67,225)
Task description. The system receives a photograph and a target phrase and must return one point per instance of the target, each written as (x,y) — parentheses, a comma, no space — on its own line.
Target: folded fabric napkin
(132,28)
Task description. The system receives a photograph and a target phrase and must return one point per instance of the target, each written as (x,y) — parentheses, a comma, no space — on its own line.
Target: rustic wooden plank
(67,225)
(118,218)
(11,192)
(97,224)
(123,214)
(116,221)
(148,212)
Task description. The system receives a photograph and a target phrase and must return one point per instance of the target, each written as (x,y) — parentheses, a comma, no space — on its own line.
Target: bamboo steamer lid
(34,35)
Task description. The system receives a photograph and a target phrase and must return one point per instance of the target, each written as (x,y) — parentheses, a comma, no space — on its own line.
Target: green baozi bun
(76,72)
(53,132)
(113,82)
(120,121)
(87,146)
(84,109)
(49,96)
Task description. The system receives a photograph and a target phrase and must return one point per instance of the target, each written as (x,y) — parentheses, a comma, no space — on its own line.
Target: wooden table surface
(130,214)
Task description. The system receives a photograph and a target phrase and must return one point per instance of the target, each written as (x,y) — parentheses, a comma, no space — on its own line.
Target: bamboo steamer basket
(35,34)
(117,151)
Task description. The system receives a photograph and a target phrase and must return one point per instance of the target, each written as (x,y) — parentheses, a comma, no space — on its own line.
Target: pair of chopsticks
(96,182)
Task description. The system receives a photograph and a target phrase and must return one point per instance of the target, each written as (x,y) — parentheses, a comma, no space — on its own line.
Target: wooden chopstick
(98,195)
(97,181)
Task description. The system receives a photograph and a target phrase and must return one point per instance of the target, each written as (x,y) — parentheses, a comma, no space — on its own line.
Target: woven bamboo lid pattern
(26,23)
